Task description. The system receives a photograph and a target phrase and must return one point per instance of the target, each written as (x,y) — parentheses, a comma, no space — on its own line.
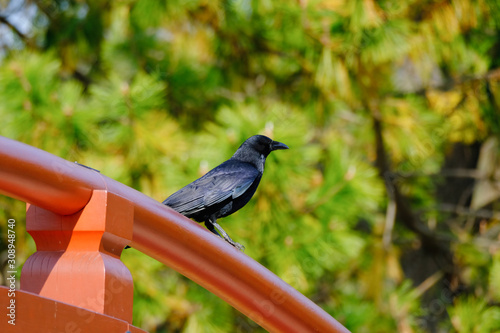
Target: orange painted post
(78,256)
(44,315)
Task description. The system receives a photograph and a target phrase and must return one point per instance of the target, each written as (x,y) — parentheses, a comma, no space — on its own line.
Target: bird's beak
(278,145)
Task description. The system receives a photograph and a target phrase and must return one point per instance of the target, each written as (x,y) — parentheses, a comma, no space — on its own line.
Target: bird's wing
(230,179)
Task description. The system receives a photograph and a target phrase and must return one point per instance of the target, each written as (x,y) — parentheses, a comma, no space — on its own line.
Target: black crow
(226,188)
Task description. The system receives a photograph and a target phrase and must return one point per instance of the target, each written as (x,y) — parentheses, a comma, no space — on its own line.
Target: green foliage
(494,279)
(473,315)
(154,94)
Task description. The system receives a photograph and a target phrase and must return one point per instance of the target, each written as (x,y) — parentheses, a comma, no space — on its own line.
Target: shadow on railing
(81,220)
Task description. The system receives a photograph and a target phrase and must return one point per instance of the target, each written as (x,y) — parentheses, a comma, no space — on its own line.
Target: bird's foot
(226,237)
(237,245)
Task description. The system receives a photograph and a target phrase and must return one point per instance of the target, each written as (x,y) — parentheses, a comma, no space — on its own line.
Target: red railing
(74,210)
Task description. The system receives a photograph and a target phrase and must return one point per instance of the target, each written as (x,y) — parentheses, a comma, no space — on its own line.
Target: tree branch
(3,19)
(430,241)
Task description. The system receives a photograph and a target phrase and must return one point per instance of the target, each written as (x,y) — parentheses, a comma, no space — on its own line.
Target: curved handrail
(52,183)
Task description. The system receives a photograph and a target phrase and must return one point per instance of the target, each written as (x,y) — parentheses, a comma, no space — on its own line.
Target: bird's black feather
(226,188)
(207,195)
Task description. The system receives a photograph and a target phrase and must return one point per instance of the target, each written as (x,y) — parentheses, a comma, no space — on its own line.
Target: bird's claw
(223,234)
(237,245)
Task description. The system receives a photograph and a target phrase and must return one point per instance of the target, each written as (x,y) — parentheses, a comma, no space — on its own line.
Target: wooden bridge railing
(81,220)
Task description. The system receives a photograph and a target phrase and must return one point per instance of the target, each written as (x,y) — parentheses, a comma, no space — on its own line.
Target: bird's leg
(227,238)
(213,223)
(210,227)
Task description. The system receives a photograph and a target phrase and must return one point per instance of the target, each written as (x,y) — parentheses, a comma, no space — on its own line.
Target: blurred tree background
(385,211)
